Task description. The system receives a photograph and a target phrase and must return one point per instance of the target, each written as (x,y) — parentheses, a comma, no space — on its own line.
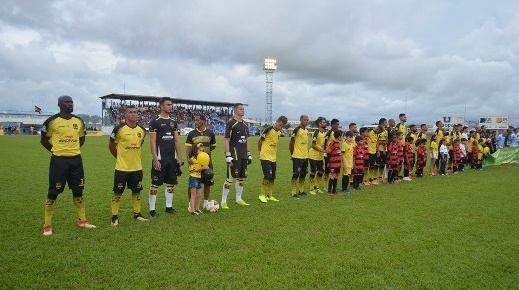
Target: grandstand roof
(175,100)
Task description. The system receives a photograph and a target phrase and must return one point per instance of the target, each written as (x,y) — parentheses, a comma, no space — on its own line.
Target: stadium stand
(216,113)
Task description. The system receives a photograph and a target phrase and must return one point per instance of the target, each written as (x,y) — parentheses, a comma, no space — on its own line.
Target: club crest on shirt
(75,126)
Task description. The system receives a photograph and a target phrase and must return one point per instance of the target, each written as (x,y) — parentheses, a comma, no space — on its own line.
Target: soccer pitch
(453,232)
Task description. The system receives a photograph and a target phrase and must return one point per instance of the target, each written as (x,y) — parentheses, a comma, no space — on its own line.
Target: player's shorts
(299,166)
(434,155)
(335,170)
(269,169)
(194,182)
(358,171)
(131,178)
(316,165)
(381,159)
(66,170)
(238,169)
(372,161)
(167,174)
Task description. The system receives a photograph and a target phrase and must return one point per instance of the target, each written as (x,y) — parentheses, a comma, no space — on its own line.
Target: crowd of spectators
(184,115)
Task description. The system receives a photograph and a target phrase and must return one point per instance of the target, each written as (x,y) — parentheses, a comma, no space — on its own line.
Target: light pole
(269,67)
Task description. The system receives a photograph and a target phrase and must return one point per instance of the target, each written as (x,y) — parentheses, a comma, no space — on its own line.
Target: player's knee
(239,181)
(116,197)
(227,183)
(170,188)
(295,176)
(153,190)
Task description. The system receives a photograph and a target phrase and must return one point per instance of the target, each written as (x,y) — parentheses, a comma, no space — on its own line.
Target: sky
(354,60)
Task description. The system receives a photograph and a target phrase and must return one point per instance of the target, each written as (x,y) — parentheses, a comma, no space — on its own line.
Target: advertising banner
(449,122)
(494,123)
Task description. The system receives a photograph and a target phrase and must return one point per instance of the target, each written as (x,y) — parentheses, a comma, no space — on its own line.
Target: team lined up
(388,153)
(366,156)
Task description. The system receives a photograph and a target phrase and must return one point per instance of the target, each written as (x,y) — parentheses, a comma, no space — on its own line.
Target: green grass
(454,232)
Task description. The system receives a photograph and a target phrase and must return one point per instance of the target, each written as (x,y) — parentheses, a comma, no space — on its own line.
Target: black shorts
(131,178)
(167,174)
(372,161)
(238,169)
(299,166)
(66,170)
(316,165)
(381,159)
(269,169)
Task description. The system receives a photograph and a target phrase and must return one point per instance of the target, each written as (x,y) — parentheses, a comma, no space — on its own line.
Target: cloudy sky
(355,60)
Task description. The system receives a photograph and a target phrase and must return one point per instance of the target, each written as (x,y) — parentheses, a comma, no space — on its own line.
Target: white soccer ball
(213,206)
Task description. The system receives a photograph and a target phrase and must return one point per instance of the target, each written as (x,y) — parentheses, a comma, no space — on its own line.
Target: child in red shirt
(335,162)
(421,156)
(359,163)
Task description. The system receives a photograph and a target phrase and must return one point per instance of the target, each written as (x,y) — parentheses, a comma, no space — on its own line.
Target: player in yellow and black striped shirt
(125,145)
(267,146)
(63,135)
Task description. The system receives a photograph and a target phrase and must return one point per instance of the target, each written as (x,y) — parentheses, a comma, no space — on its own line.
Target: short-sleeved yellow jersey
(300,137)
(319,139)
(129,143)
(64,134)
(269,146)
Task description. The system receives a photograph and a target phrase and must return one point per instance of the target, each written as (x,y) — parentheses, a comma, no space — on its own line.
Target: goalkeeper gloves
(228,158)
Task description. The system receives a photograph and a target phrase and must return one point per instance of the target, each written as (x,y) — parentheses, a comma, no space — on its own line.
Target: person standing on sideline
(316,156)
(63,134)
(125,145)
(164,142)
(206,136)
(237,154)
(299,151)
(267,147)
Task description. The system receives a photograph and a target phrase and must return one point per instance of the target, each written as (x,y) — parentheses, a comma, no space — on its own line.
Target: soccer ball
(207,175)
(212,206)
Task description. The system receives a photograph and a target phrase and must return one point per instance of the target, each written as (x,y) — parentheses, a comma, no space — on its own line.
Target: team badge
(59,185)
(120,186)
(139,135)
(75,126)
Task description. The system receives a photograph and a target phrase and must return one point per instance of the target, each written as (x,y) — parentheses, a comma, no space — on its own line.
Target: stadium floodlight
(270,66)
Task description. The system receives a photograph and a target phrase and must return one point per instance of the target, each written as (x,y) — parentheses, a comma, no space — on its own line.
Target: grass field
(455,232)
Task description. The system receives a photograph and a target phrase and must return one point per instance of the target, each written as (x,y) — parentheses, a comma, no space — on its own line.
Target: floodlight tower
(270,67)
